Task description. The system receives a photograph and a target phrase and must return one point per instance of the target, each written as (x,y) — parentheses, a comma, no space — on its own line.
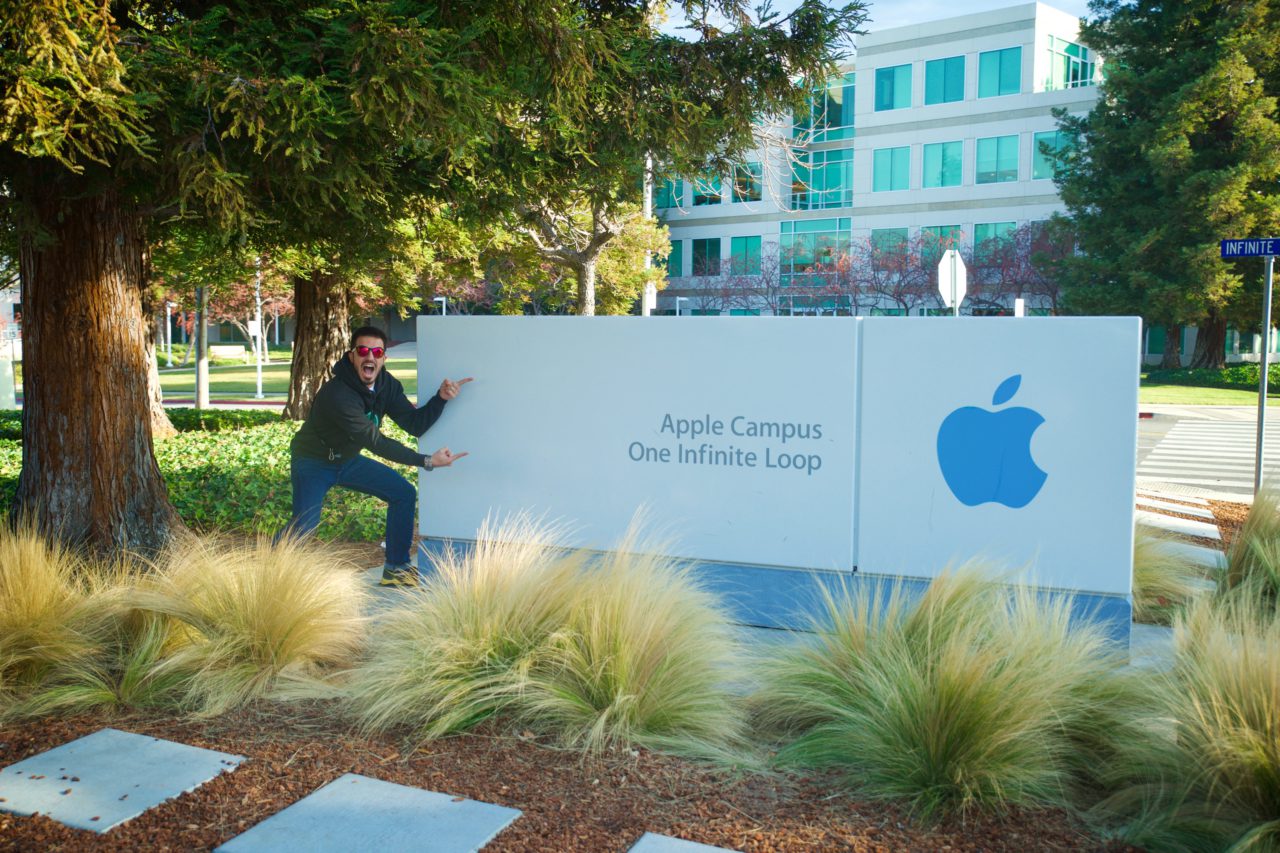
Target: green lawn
(1190,395)
(241,380)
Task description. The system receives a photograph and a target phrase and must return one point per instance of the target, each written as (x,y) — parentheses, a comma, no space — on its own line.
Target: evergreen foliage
(1182,150)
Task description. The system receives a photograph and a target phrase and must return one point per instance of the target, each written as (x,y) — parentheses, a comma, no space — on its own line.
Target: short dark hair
(368,332)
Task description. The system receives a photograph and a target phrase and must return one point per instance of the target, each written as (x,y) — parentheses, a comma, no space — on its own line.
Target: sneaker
(403,575)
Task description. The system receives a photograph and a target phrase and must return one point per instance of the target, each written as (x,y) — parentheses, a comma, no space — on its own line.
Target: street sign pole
(1258,247)
(1264,364)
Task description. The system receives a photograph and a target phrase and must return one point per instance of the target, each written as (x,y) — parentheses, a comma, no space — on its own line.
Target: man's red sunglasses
(378,352)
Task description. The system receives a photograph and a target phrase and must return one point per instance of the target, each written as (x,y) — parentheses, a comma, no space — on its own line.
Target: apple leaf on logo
(1007,389)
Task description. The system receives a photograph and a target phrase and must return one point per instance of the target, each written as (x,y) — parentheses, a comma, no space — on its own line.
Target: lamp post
(168,332)
(680,299)
(443,302)
(259,341)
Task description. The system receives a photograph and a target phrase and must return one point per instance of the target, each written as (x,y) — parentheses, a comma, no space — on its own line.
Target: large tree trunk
(1211,343)
(88,471)
(586,273)
(322,329)
(1172,359)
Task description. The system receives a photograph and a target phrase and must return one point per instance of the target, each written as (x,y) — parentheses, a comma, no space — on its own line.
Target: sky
(884,14)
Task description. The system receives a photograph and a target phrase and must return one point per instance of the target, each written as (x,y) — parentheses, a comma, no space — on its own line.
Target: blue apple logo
(986,456)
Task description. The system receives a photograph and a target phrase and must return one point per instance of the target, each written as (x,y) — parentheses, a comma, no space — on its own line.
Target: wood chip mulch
(569,804)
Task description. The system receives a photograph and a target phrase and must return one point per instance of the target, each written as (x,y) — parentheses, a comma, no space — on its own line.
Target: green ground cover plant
(964,699)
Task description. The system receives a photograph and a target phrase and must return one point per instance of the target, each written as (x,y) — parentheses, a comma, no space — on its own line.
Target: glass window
(811,244)
(942,162)
(936,239)
(829,116)
(997,160)
(1041,163)
(747,181)
(822,179)
(944,80)
(889,241)
(892,169)
(893,88)
(744,312)
(1071,65)
(1000,72)
(706,256)
(669,194)
(744,255)
(674,266)
(706,190)
(987,238)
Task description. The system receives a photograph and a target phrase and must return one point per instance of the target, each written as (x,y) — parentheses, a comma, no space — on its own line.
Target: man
(345,419)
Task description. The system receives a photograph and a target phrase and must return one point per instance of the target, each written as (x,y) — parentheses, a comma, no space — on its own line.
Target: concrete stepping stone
(1170,496)
(361,813)
(1183,526)
(1167,506)
(1210,558)
(104,779)
(651,842)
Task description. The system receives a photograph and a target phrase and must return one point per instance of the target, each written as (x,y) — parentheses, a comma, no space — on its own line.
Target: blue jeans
(313,478)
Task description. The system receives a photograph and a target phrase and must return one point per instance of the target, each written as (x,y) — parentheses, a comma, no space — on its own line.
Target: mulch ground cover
(570,803)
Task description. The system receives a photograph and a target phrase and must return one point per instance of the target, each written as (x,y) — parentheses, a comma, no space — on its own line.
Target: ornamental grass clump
(591,650)
(1200,770)
(1165,580)
(458,650)
(971,697)
(252,621)
(56,609)
(644,658)
(1253,561)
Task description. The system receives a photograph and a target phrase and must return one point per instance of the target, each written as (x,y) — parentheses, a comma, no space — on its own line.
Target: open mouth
(368,370)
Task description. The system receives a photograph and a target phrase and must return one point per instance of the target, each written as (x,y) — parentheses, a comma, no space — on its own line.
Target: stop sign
(952,279)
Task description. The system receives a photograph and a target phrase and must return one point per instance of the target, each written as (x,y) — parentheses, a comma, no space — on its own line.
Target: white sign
(736,438)
(254,327)
(896,445)
(1010,452)
(952,278)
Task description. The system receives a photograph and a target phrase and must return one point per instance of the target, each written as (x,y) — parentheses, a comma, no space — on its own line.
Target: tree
(1181,150)
(894,272)
(324,116)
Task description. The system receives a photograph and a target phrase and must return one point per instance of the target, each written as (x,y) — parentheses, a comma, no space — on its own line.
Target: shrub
(218,420)
(1164,580)
(644,658)
(1201,769)
(252,621)
(971,698)
(1241,376)
(594,651)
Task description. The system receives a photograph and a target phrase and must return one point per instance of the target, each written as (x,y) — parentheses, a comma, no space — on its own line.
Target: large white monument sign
(735,437)
(893,445)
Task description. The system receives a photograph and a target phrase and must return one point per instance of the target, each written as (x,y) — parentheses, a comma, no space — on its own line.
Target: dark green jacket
(346,418)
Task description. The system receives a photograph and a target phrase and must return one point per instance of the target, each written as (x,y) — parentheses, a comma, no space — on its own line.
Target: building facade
(936,137)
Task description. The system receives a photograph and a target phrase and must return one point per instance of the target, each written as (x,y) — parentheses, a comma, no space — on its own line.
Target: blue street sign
(1256,247)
